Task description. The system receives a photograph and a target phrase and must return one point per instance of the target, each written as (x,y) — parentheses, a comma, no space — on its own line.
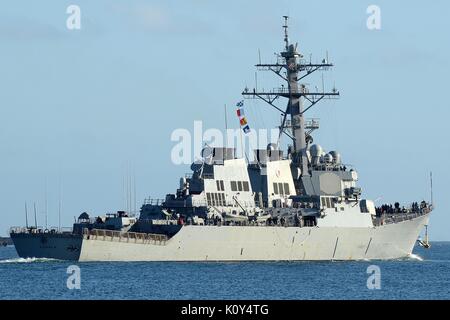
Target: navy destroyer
(302,204)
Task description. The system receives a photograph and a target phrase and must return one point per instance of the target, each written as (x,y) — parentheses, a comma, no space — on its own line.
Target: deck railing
(38,230)
(118,236)
(388,218)
(152,201)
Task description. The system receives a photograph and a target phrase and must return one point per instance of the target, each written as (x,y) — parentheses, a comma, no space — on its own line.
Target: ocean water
(426,275)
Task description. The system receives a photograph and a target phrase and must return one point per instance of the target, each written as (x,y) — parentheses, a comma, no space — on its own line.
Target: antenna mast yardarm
(295,69)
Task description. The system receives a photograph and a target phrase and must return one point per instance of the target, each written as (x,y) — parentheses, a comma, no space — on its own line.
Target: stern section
(61,246)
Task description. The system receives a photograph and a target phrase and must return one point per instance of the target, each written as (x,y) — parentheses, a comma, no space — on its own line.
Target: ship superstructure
(302,204)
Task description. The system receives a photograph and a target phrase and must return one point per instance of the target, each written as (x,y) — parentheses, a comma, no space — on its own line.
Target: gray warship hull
(304,204)
(45,245)
(233,243)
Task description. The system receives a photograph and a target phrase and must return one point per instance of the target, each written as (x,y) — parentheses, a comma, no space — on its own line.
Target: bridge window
(239,186)
(328,202)
(280,188)
(286,188)
(220,185)
(216,199)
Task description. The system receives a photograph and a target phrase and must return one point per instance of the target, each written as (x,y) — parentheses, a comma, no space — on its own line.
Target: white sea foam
(26,260)
(415,257)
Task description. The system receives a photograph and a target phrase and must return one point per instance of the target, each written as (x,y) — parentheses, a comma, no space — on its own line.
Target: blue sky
(77,107)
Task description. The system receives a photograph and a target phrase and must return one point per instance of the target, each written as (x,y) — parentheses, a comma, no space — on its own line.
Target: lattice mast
(295,69)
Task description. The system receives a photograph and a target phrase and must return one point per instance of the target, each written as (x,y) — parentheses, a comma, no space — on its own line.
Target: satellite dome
(316,150)
(336,157)
(328,158)
(83,216)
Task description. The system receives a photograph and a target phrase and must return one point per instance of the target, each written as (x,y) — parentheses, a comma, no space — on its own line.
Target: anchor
(424,243)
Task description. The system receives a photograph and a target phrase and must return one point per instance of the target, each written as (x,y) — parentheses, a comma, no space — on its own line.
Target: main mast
(292,69)
(295,103)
